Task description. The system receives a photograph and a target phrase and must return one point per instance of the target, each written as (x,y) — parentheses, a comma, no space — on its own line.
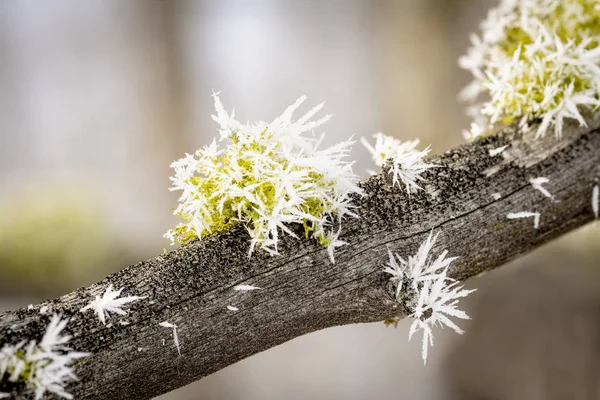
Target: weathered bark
(301,290)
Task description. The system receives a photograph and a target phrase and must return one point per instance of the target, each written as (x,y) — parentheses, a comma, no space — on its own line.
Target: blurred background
(98,97)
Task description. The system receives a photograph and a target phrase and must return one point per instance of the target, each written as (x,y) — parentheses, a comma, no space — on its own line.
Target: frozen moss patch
(535,60)
(40,367)
(266,177)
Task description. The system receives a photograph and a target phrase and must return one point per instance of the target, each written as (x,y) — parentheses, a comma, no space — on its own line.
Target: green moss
(497,227)
(518,232)
(223,211)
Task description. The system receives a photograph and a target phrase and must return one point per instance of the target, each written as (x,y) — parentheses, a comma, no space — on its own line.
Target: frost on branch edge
(425,292)
(268,176)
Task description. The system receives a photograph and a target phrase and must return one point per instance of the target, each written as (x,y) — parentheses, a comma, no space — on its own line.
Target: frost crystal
(526,214)
(232,308)
(109,302)
(387,147)
(499,150)
(245,288)
(537,185)
(535,60)
(407,162)
(166,324)
(425,291)
(43,367)
(269,175)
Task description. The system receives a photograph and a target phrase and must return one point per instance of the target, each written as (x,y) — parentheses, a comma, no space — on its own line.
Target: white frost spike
(333,243)
(109,302)
(499,150)
(407,168)
(526,214)
(44,310)
(232,308)
(497,196)
(595,200)
(245,288)
(438,298)
(537,185)
(423,287)
(166,324)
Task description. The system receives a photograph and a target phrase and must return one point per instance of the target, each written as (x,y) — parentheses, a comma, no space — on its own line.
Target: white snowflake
(407,163)
(110,303)
(44,367)
(423,288)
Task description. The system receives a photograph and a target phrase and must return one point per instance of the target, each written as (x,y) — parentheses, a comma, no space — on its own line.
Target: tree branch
(301,291)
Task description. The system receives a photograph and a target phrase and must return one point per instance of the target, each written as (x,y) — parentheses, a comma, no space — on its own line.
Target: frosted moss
(268,176)
(536,60)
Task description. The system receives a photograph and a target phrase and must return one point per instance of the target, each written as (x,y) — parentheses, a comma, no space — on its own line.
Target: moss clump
(536,60)
(267,177)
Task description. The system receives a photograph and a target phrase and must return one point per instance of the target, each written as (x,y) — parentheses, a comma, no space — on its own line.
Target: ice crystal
(245,288)
(407,163)
(526,214)
(537,185)
(498,151)
(110,303)
(425,291)
(167,324)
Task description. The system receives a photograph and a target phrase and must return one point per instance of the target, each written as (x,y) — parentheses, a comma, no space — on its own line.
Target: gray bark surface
(301,291)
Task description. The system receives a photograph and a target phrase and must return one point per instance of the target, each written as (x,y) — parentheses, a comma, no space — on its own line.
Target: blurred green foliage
(50,240)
